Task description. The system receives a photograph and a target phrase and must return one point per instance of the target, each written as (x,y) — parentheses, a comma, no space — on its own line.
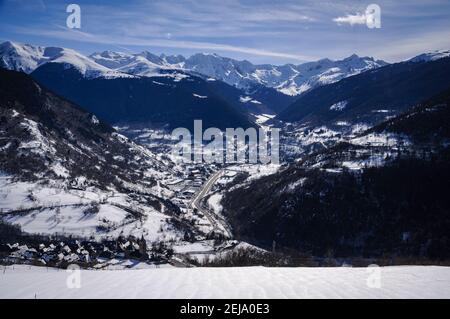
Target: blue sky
(261,31)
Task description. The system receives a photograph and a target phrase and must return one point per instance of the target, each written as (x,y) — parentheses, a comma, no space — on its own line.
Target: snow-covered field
(247,282)
(60,210)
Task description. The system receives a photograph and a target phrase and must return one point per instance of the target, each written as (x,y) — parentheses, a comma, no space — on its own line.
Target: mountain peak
(7,44)
(356,57)
(20,57)
(110,54)
(353,56)
(205,55)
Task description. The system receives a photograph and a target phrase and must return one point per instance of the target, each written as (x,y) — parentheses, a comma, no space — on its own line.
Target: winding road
(219,224)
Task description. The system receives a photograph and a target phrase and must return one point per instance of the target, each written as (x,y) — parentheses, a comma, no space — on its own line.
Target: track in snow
(246,282)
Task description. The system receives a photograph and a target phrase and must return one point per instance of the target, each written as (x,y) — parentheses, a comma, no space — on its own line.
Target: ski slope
(246,282)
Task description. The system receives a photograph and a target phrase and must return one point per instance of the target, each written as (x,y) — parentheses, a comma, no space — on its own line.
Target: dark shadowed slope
(427,122)
(364,97)
(165,100)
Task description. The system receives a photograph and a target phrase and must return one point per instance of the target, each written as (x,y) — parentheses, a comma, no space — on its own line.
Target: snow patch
(339,106)
(214,203)
(94,120)
(200,96)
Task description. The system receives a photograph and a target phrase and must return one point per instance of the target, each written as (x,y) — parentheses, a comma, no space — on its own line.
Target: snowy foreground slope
(247,282)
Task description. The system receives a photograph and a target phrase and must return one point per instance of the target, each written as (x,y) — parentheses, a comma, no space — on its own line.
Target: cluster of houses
(60,253)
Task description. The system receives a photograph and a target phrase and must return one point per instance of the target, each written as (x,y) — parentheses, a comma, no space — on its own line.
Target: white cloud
(352,19)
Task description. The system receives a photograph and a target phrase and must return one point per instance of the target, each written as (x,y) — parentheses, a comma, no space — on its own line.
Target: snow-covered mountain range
(289,79)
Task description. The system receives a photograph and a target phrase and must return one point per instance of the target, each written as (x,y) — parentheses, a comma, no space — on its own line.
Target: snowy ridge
(312,74)
(431,56)
(84,65)
(26,58)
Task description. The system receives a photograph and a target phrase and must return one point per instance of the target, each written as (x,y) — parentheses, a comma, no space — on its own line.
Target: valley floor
(22,281)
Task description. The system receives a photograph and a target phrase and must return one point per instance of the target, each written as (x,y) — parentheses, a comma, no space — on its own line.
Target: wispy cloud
(408,48)
(75,35)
